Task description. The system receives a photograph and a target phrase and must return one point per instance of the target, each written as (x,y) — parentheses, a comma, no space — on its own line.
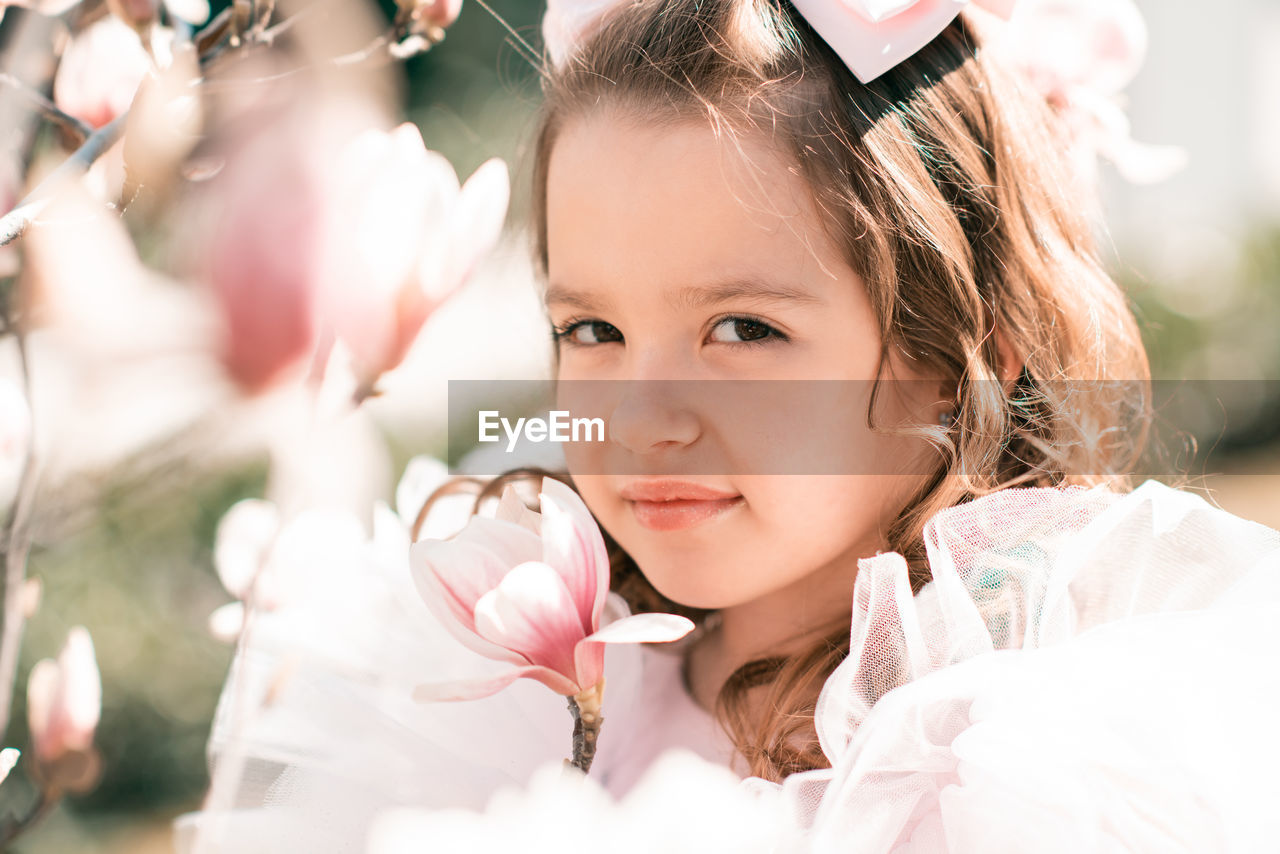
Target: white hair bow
(871,36)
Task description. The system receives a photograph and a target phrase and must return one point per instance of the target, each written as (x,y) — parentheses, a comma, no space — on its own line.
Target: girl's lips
(665,489)
(672,505)
(680,513)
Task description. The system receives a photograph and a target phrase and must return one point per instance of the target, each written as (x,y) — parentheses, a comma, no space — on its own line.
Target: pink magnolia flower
(1080,54)
(100,71)
(530,590)
(64,699)
(412,238)
(358,238)
(435,13)
(263,258)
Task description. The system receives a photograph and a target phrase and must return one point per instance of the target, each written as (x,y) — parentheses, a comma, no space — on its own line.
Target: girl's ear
(1010,361)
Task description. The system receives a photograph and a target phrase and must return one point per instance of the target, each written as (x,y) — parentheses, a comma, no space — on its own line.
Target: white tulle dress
(1088,671)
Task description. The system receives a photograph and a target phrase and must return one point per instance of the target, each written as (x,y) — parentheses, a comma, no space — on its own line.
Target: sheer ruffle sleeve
(1088,670)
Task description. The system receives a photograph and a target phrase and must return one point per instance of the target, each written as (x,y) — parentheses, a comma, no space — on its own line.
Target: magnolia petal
(82,686)
(447,692)
(194,12)
(644,628)
(468,569)
(451,576)
(568,22)
(588,661)
(1141,163)
(245,535)
(475,225)
(435,244)
(511,508)
(226,622)
(509,542)
(42,686)
(532,613)
(383,183)
(572,543)
(10,755)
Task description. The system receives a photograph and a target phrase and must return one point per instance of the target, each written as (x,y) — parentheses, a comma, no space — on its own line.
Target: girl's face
(675,255)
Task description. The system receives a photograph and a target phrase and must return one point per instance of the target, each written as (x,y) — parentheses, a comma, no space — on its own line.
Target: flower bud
(433,13)
(64,698)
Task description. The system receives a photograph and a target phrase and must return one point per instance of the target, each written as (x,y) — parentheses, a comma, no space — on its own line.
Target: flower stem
(585,708)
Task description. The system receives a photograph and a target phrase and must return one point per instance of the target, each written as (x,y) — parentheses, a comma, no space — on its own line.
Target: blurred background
(124,530)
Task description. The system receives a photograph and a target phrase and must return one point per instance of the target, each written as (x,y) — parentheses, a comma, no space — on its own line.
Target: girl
(731,192)
(718,197)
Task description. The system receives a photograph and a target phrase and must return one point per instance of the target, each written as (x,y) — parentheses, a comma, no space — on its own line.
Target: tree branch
(17,544)
(78,130)
(16,222)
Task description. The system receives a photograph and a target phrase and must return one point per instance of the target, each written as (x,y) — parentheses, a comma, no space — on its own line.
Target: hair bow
(872,36)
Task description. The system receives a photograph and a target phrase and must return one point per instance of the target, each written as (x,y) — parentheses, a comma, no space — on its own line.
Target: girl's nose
(653,416)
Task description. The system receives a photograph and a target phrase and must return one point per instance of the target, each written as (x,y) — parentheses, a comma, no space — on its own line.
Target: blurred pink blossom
(264,261)
(318,240)
(435,13)
(100,71)
(404,238)
(532,598)
(1080,54)
(64,699)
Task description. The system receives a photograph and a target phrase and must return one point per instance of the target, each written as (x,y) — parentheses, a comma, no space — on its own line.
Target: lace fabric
(1088,670)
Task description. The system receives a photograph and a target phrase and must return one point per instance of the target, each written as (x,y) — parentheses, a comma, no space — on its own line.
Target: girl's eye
(743,330)
(588,333)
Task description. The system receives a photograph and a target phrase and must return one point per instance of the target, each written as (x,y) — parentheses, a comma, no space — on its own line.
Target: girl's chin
(708,582)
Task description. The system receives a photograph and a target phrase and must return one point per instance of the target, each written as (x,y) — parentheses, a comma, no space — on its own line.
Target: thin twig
(15,223)
(17,544)
(213,32)
(46,800)
(528,54)
(78,130)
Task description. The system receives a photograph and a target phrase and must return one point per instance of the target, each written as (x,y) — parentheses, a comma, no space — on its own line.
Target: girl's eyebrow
(695,296)
(701,296)
(561,295)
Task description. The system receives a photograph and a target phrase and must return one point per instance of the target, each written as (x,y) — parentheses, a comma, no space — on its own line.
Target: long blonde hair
(943,182)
